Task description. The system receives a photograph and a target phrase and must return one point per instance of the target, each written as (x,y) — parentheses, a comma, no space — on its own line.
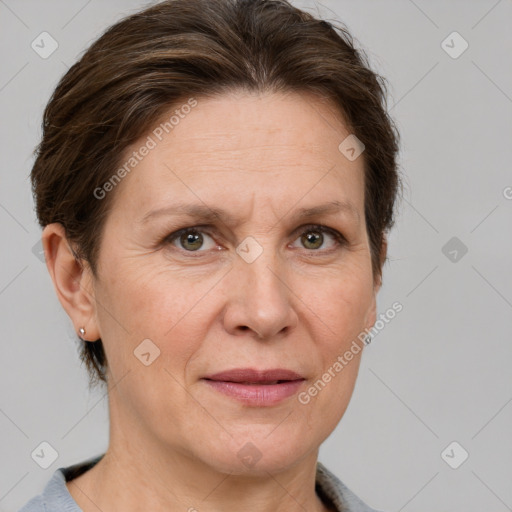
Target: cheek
(336,338)
(151,299)
(330,394)
(338,304)
(338,311)
(147,303)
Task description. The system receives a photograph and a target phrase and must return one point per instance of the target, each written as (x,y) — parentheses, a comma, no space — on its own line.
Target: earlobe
(72,280)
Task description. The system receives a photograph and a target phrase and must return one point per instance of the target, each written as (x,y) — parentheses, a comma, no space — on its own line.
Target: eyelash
(341,241)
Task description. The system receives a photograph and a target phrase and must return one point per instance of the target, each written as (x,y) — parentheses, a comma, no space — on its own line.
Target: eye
(191,240)
(313,238)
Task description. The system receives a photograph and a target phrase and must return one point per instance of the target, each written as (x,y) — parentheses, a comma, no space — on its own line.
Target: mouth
(256,388)
(258,383)
(252,376)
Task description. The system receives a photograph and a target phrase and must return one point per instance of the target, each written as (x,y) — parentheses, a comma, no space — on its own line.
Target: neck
(143,472)
(133,477)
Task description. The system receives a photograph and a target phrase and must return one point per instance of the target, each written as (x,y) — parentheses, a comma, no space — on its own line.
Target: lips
(256,388)
(251,376)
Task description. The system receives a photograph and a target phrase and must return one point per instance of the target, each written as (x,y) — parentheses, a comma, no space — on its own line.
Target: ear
(372,312)
(72,279)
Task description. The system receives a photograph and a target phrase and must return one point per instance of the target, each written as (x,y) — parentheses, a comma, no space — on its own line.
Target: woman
(215,182)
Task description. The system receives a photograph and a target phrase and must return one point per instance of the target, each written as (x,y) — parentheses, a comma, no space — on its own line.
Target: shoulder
(36,504)
(338,493)
(55,496)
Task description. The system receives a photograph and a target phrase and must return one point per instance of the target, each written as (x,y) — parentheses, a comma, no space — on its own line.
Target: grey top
(56,498)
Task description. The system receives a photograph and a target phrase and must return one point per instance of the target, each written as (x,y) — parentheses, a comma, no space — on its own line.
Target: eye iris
(313,237)
(195,239)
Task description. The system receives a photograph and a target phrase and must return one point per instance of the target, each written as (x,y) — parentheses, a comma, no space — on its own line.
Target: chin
(257,453)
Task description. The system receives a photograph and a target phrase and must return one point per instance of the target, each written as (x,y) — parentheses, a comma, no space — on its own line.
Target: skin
(299,305)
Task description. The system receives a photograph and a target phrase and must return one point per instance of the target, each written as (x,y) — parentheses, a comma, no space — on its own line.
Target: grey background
(439,372)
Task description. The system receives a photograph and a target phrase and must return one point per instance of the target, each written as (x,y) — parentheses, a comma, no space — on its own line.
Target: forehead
(244,144)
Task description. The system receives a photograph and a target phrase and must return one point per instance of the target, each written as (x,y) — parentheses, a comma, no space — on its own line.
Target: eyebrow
(203,213)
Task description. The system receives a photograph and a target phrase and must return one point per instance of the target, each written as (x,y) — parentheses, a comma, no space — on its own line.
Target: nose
(259,299)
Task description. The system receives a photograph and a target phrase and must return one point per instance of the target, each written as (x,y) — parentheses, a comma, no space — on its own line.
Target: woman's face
(257,286)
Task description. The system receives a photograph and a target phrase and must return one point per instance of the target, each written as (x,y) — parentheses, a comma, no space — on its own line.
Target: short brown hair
(176,49)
